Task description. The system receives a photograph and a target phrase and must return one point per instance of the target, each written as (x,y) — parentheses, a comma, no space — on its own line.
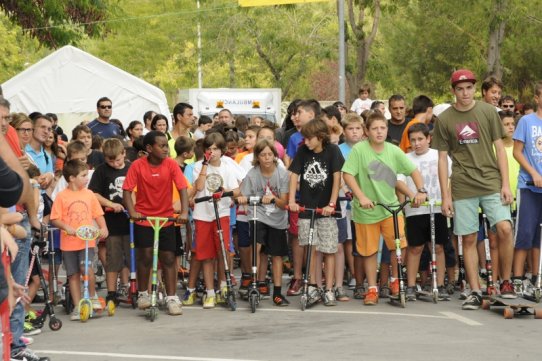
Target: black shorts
(418,230)
(274,241)
(179,250)
(144,238)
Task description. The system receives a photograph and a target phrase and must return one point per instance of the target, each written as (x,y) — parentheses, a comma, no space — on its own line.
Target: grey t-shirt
(255,184)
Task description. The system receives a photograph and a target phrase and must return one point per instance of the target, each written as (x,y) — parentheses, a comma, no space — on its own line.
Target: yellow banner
(246,3)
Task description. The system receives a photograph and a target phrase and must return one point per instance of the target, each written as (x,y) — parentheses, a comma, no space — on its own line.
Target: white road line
(133,356)
(455,316)
(394,314)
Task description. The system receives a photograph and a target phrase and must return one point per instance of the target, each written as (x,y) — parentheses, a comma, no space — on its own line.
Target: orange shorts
(368,236)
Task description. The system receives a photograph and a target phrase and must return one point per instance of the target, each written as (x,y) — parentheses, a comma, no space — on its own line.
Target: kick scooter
(461,278)
(156,223)
(395,209)
(55,324)
(86,311)
(215,198)
(491,291)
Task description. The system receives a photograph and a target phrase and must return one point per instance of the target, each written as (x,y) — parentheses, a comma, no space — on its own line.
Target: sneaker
(96,304)
(329,298)
(314,295)
(233,280)
(518,286)
(123,293)
(340,295)
(528,288)
(394,288)
(443,294)
(189,298)
(371,297)
(143,301)
(411,294)
(352,284)
(473,302)
(384,292)
(27,354)
(280,301)
(30,316)
(174,306)
(359,293)
(295,287)
(264,291)
(221,296)
(27,340)
(507,290)
(209,302)
(465,293)
(30,330)
(246,280)
(75,316)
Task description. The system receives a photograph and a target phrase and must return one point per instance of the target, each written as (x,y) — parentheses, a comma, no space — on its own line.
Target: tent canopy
(70,81)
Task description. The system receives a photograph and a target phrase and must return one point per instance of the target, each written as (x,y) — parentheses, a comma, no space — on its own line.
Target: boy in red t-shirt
(74,207)
(153,176)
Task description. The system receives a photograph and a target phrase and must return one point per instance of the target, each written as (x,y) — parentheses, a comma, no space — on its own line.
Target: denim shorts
(466,213)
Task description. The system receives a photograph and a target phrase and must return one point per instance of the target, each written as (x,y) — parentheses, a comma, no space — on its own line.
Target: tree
(362,38)
(56,23)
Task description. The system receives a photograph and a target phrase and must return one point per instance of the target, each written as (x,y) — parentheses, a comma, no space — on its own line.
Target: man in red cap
(470,132)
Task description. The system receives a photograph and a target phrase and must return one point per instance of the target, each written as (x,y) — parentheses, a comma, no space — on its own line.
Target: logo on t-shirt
(467,133)
(315,174)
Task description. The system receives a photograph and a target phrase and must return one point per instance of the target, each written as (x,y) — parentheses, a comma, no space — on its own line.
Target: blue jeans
(19,269)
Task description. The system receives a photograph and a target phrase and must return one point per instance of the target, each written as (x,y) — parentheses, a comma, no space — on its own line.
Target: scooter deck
(513,307)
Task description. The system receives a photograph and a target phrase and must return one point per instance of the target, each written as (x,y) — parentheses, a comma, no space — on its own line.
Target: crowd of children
(343,163)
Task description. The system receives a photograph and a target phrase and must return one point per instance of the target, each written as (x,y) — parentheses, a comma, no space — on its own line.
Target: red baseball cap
(461,75)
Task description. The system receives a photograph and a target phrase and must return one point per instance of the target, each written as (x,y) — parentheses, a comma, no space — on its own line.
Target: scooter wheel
(152,313)
(134,301)
(231,302)
(55,324)
(303,301)
(111,308)
(538,313)
(84,311)
(402,297)
(253,300)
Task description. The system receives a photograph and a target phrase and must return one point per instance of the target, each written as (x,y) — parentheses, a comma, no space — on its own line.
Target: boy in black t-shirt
(106,183)
(317,165)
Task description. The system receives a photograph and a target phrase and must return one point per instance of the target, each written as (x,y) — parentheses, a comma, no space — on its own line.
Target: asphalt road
(349,331)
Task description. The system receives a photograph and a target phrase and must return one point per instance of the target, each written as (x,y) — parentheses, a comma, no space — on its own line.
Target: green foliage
(57,23)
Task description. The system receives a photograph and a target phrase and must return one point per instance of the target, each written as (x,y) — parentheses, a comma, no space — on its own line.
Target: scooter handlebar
(305,209)
(208,198)
(151,218)
(251,200)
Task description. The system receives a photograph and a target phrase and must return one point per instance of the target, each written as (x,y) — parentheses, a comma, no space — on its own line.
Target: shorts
(144,238)
(274,241)
(352,227)
(528,219)
(466,213)
(349,233)
(293,217)
(207,240)
(74,261)
(368,236)
(418,229)
(342,226)
(243,235)
(325,236)
(117,252)
(179,250)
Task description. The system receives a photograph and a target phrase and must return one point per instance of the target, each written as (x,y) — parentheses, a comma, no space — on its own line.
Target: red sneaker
(371,297)
(394,288)
(295,287)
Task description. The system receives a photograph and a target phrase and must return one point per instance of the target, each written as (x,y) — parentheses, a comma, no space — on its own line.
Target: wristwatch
(422,190)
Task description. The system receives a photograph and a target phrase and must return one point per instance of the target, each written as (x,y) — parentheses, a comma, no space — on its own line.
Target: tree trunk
(496,36)
(362,42)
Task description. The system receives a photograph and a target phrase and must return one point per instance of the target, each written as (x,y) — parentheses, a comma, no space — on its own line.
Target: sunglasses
(106,106)
(508,106)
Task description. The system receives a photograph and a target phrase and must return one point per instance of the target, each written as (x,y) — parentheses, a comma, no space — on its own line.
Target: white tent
(69,82)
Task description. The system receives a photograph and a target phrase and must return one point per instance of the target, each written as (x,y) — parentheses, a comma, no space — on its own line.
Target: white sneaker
(352,284)
(75,316)
(143,301)
(174,306)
